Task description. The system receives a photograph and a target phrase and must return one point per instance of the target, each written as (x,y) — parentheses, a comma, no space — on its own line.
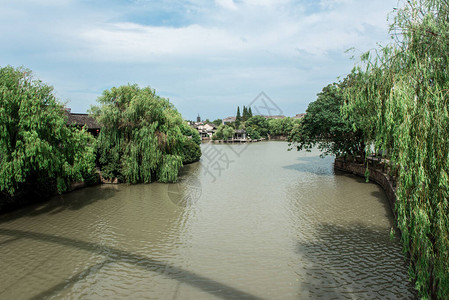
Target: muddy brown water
(249,221)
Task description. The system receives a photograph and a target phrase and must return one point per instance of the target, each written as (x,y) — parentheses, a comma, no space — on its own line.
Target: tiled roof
(82,119)
(275,117)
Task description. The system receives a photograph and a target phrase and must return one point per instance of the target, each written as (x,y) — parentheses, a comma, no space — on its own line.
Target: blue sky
(207,57)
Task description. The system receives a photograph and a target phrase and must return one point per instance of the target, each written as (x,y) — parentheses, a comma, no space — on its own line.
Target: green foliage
(257,127)
(228,132)
(238,118)
(218,135)
(192,152)
(39,152)
(281,127)
(245,115)
(218,122)
(191,132)
(253,133)
(324,127)
(224,132)
(402,91)
(143,138)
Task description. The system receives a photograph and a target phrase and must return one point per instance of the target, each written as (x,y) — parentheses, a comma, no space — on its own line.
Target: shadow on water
(75,200)
(208,285)
(314,165)
(72,280)
(379,194)
(353,262)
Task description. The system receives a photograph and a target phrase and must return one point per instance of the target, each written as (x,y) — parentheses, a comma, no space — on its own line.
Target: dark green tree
(245,115)
(281,127)
(324,127)
(223,132)
(144,138)
(250,113)
(217,122)
(40,154)
(238,118)
(191,150)
(228,132)
(257,127)
(218,135)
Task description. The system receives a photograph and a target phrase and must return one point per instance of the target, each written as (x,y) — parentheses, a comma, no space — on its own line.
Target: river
(249,221)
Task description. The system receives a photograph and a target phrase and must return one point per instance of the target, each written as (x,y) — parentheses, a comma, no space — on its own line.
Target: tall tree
(40,154)
(250,113)
(257,127)
(324,127)
(404,86)
(281,127)
(143,138)
(238,118)
(245,114)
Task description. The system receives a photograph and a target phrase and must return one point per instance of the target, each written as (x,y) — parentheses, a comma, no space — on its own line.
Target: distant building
(198,119)
(79,120)
(228,120)
(299,116)
(239,134)
(205,130)
(275,117)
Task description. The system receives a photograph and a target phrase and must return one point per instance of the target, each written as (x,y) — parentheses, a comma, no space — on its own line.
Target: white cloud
(228,4)
(44,2)
(278,31)
(266,3)
(236,47)
(132,42)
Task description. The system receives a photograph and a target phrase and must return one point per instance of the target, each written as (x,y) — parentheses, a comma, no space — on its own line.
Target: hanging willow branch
(405,89)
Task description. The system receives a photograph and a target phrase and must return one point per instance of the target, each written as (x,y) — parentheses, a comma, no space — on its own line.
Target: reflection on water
(187,189)
(273,225)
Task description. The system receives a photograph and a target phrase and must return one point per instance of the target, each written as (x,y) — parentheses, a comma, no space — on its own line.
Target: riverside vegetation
(143,139)
(396,99)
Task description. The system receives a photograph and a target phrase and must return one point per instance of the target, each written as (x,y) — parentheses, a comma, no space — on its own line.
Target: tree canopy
(40,154)
(217,122)
(281,127)
(257,127)
(323,127)
(223,132)
(143,138)
(238,118)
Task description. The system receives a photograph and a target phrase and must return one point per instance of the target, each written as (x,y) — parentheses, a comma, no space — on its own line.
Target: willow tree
(39,153)
(406,86)
(143,138)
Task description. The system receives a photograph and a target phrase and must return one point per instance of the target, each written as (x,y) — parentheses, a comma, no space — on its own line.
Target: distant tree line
(256,127)
(143,139)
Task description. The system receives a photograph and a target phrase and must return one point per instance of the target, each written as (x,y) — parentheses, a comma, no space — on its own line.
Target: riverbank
(235,141)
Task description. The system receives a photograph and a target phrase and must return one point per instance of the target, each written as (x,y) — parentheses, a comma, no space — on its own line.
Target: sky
(207,57)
